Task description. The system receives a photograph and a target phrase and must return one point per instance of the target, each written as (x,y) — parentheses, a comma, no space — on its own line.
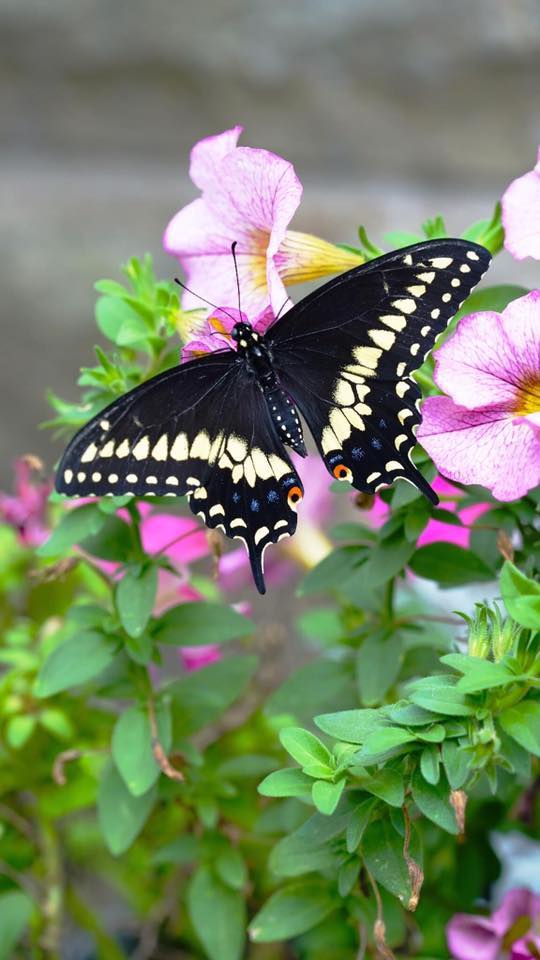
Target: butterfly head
(244,335)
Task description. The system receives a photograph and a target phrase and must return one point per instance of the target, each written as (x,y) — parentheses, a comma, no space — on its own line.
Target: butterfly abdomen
(285,417)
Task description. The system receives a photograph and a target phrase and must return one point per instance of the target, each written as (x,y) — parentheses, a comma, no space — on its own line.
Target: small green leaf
(457,763)
(478,674)
(433,801)
(304,747)
(357,824)
(231,868)
(352,726)
(326,796)
(132,747)
(135,598)
(76,661)
(218,915)
(521,596)
(382,849)
(19,730)
(200,697)
(295,908)
(385,784)
(381,741)
(440,695)
(522,723)
(121,815)
(75,526)
(199,623)
(15,911)
(332,571)
(378,663)
(119,322)
(429,764)
(290,782)
(449,565)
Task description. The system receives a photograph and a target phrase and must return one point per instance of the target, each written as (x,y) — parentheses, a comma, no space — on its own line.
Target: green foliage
(228,811)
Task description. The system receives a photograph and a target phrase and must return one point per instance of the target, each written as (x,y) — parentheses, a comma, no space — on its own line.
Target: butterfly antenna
(233,251)
(281,309)
(204,300)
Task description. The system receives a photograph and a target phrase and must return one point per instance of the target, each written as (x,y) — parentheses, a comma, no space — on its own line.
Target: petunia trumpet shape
(248,195)
(511,931)
(487,430)
(521,215)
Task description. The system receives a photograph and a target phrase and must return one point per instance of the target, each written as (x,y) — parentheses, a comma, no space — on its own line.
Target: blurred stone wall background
(391,111)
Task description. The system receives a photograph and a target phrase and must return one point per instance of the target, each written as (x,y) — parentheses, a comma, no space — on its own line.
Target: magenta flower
(487,430)
(193,658)
(510,931)
(248,195)
(26,509)
(521,215)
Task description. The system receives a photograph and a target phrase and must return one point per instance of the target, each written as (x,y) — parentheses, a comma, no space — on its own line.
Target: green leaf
(318,685)
(326,795)
(521,596)
(119,322)
(433,801)
(199,623)
(409,715)
(295,908)
(121,815)
(231,868)
(357,824)
(75,526)
(183,850)
(478,674)
(440,695)
(378,663)
(135,598)
(381,742)
(332,571)
(15,911)
(290,782)
(218,915)
(489,233)
(449,565)
(522,723)
(19,730)
(382,850)
(76,661)
(199,698)
(457,763)
(322,624)
(132,747)
(385,784)
(112,542)
(494,298)
(429,764)
(352,726)
(385,560)
(304,747)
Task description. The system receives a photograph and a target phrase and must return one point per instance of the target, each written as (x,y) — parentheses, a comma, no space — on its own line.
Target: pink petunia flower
(473,937)
(248,195)
(487,430)
(26,509)
(521,215)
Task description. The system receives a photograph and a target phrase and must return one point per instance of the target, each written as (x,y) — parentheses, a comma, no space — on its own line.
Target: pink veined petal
(264,319)
(521,215)
(205,343)
(196,231)
(208,153)
(193,658)
(472,938)
(478,366)
(516,903)
(521,323)
(483,447)
(187,541)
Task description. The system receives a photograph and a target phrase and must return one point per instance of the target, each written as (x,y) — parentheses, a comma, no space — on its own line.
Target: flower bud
(479,633)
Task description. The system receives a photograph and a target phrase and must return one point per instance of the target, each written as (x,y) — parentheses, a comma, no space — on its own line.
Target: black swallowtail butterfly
(215,429)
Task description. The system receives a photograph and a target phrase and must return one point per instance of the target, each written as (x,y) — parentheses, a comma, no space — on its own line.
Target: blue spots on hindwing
(335,458)
(272,496)
(357,453)
(255,506)
(236,497)
(288,482)
(376,443)
(382,424)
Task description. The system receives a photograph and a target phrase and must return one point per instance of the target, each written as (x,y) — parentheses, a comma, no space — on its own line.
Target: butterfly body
(215,429)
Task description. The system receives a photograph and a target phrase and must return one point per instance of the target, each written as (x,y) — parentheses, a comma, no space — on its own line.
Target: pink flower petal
(477,366)
(521,215)
(521,322)
(472,938)
(187,541)
(193,658)
(207,154)
(516,903)
(482,446)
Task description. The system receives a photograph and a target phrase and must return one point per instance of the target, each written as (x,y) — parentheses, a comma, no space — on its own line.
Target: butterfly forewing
(346,353)
(200,430)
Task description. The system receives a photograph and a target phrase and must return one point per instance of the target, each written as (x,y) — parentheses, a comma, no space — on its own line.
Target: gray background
(391,112)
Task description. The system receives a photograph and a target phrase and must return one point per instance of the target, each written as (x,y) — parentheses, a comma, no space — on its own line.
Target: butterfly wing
(347,351)
(203,430)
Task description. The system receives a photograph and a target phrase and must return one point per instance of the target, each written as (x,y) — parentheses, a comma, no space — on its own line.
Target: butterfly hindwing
(202,430)
(346,354)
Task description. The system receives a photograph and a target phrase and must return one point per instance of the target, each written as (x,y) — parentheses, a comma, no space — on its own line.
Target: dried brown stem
(160,755)
(416,875)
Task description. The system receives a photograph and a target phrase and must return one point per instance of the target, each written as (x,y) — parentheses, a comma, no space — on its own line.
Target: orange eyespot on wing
(294,496)
(341,472)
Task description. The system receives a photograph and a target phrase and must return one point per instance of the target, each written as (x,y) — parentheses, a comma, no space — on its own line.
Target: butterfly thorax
(254,352)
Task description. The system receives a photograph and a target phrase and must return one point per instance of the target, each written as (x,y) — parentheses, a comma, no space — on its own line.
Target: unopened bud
(479,633)
(504,638)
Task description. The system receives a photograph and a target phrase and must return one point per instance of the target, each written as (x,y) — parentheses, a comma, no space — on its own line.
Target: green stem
(133,511)
(388,602)
(54,896)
